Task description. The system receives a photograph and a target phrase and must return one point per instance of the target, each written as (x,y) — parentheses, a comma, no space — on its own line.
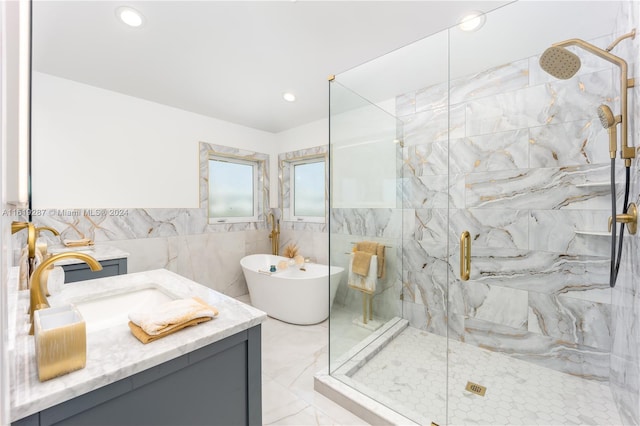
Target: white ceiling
(231,60)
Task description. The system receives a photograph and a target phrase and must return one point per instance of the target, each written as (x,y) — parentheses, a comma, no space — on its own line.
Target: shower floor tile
(411,372)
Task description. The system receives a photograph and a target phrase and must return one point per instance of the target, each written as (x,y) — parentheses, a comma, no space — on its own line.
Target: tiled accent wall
(180,240)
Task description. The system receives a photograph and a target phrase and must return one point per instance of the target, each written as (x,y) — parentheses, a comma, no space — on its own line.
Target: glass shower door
(388,130)
(364,155)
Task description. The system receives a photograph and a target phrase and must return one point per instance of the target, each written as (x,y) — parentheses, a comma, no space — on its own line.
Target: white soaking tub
(291,295)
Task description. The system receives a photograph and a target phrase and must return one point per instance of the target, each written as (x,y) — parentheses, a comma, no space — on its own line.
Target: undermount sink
(106,310)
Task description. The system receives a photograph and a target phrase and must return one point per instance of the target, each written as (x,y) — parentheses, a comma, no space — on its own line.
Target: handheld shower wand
(609,122)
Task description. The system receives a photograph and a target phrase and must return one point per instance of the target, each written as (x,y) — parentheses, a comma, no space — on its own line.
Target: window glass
(309,189)
(231,189)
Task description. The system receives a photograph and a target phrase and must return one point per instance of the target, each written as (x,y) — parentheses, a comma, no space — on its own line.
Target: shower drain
(476,388)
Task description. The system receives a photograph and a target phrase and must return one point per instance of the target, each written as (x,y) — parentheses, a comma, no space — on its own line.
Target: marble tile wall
(522,165)
(625,302)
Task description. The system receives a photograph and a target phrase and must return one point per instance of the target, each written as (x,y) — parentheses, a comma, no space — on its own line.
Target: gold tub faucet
(274,235)
(38,300)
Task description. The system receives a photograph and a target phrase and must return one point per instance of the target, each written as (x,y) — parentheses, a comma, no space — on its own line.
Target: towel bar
(356,242)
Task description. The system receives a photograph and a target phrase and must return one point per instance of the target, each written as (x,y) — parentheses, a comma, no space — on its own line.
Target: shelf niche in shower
(593,233)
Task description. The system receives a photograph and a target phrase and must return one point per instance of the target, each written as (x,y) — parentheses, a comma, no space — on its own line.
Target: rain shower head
(559,62)
(563,64)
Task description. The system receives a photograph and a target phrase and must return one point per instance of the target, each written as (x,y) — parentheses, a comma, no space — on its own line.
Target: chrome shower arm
(631,34)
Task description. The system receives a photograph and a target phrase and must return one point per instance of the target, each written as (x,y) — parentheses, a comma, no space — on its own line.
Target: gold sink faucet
(32,236)
(47,228)
(274,235)
(38,300)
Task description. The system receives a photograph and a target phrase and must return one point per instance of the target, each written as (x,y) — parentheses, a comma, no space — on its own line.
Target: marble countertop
(98,251)
(114,353)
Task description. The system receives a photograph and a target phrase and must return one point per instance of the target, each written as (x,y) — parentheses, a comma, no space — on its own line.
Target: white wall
(97,148)
(308,135)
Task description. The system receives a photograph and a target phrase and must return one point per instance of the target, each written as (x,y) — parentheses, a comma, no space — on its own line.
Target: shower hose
(615,258)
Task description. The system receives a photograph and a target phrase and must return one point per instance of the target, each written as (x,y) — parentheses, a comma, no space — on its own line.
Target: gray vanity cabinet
(219,384)
(81,271)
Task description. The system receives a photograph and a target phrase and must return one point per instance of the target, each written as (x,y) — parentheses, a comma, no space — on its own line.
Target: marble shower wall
(625,315)
(384,226)
(520,161)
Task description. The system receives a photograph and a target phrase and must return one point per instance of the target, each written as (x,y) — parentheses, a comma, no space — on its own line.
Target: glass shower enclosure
(486,181)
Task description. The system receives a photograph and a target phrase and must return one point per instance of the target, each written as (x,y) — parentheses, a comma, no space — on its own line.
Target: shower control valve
(630,218)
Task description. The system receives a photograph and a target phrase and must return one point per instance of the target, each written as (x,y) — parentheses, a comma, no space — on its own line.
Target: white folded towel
(23,263)
(56,280)
(169,315)
(364,283)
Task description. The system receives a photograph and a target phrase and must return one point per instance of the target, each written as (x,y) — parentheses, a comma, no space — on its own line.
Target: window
(308,190)
(233,194)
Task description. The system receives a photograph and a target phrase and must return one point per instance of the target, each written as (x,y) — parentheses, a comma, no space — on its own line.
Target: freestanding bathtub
(291,295)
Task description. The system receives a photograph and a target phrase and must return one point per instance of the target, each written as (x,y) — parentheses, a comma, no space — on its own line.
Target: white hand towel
(171,314)
(56,280)
(23,263)
(364,283)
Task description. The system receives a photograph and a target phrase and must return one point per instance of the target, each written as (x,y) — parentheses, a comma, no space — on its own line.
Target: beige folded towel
(172,315)
(78,243)
(375,249)
(361,262)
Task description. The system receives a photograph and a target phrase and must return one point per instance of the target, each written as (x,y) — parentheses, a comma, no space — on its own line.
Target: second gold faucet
(38,300)
(274,235)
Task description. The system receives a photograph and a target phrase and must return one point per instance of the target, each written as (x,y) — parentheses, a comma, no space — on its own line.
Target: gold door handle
(465,256)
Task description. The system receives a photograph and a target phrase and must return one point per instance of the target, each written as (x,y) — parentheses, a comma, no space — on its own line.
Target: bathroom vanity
(112,259)
(206,374)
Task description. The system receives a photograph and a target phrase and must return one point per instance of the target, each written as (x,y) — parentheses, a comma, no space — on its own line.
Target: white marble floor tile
(413,370)
(291,356)
(518,392)
(344,333)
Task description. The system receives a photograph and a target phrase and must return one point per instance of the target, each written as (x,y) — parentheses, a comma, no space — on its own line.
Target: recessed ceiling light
(130,16)
(473,21)
(289,97)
